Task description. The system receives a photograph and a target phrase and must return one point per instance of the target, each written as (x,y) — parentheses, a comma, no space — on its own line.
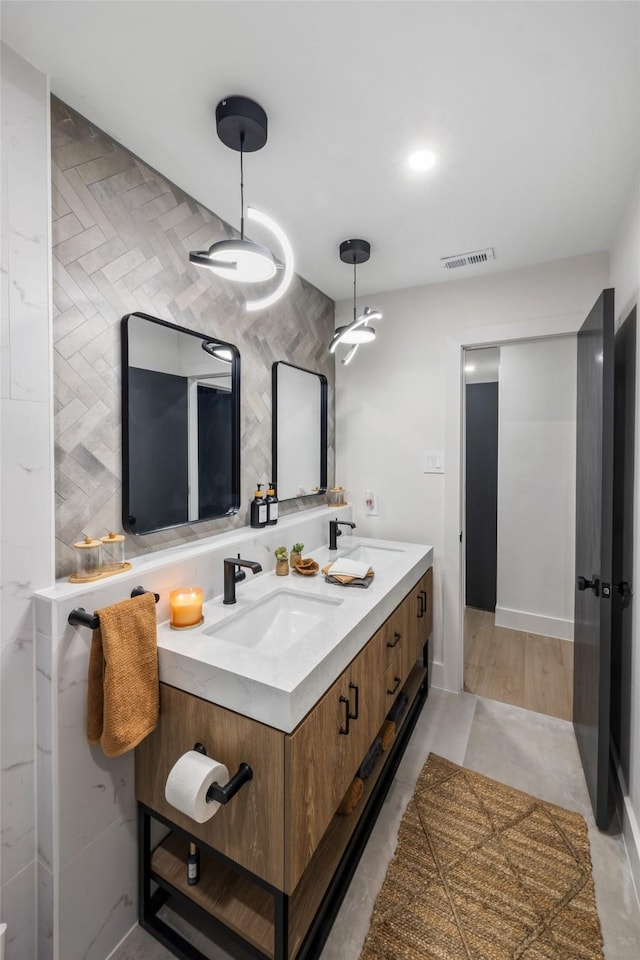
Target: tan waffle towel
(346,580)
(123,691)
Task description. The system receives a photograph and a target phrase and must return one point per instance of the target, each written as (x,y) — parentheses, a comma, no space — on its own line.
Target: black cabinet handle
(421,605)
(354,715)
(396,684)
(347,716)
(397,637)
(423,593)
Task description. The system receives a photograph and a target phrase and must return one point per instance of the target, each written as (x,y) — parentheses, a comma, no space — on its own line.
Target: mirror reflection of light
(215,349)
(469,367)
(287,251)
(600,357)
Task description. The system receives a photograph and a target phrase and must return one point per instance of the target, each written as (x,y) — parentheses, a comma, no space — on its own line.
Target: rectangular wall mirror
(299,431)
(180,426)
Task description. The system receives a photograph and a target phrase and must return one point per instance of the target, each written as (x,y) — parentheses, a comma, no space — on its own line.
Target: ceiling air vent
(468,259)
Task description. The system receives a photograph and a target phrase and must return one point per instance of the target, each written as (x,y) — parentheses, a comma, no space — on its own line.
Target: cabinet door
(421,613)
(425,587)
(367,691)
(249,829)
(323,754)
(321,758)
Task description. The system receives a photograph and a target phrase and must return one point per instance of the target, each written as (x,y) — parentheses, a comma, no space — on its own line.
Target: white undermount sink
(274,625)
(377,557)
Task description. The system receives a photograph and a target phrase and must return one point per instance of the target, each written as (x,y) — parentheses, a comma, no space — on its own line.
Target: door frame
(448,672)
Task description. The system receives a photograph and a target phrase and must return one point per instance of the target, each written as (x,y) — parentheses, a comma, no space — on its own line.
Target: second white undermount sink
(275,624)
(377,557)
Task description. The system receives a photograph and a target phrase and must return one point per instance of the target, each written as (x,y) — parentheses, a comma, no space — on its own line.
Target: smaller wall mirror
(299,432)
(181,425)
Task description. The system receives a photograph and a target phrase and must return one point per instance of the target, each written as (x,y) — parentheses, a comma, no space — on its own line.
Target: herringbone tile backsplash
(121,238)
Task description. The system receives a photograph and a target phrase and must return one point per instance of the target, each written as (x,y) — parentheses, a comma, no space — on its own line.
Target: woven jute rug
(485,872)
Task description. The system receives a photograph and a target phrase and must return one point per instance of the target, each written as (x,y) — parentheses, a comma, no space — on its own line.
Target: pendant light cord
(354,288)
(242,186)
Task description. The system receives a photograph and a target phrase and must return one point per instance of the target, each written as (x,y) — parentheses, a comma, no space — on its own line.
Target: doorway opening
(518,492)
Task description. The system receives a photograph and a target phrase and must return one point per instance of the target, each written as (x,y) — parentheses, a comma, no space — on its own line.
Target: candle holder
(186,608)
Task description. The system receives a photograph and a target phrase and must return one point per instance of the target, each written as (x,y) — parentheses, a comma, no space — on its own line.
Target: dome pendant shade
(349,334)
(241,260)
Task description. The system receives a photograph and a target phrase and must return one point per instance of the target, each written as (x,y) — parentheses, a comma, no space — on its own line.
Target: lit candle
(186,607)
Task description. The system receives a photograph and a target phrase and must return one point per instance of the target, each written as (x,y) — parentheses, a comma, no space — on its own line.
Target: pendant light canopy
(241,124)
(358,331)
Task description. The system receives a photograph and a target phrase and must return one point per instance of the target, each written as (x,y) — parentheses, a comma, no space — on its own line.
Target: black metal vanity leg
(281,945)
(144,864)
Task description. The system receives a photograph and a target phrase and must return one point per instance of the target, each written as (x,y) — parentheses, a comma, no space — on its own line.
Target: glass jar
(88,559)
(113,553)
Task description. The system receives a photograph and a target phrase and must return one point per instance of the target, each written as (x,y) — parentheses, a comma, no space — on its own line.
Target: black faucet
(334,533)
(233,576)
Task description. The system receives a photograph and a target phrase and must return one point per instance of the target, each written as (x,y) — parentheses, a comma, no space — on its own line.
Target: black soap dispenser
(272,505)
(258,508)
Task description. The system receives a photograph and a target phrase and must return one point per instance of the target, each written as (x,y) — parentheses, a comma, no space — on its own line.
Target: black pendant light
(241,124)
(358,331)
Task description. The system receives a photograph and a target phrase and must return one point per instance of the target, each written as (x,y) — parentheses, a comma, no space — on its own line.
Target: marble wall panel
(121,238)
(26,487)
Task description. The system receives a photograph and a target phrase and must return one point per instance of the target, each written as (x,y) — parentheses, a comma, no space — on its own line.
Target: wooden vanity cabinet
(277,826)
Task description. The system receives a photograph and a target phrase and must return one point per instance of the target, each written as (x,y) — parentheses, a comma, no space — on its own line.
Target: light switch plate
(433,461)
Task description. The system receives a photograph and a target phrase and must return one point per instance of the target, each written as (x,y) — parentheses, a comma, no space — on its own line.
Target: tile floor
(527,750)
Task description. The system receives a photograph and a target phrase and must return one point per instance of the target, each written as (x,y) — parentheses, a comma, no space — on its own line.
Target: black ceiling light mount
(358,331)
(241,125)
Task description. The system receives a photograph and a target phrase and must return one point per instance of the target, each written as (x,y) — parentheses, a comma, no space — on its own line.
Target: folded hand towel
(347,581)
(349,568)
(123,690)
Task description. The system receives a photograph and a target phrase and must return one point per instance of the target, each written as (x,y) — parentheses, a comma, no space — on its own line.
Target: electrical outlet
(370,503)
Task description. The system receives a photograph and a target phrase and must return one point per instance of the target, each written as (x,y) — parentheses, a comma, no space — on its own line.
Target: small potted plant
(296,553)
(282,563)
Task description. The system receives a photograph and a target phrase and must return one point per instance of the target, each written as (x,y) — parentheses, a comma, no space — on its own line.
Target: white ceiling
(533,108)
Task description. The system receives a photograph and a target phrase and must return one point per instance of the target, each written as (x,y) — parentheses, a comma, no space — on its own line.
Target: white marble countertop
(279,689)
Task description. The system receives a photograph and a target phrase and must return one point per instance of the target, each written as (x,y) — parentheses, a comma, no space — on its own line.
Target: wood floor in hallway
(523,669)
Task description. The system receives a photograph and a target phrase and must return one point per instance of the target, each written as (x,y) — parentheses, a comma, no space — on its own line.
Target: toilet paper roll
(189,779)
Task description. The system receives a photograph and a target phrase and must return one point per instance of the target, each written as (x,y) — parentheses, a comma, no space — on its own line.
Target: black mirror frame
(324,394)
(124,419)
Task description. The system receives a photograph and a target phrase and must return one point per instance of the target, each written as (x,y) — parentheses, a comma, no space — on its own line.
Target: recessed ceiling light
(421,160)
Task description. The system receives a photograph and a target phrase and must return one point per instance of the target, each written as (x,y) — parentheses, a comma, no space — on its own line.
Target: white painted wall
(401,396)
(625,278)
(536,486)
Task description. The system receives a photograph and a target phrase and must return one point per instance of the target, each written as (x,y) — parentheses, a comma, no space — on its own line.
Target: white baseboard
(630,828)
(534,623)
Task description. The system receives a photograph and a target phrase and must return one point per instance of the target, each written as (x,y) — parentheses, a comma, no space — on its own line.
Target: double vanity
(295,679)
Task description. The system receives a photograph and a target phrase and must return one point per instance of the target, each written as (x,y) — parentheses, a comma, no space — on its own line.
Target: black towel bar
(80,618)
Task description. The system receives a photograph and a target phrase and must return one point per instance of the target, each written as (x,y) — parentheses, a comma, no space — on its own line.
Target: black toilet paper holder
(222,794)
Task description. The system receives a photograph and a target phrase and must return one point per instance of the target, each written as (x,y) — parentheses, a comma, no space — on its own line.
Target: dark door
(621,598)
(158,464)
(481,495)
(594,522)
